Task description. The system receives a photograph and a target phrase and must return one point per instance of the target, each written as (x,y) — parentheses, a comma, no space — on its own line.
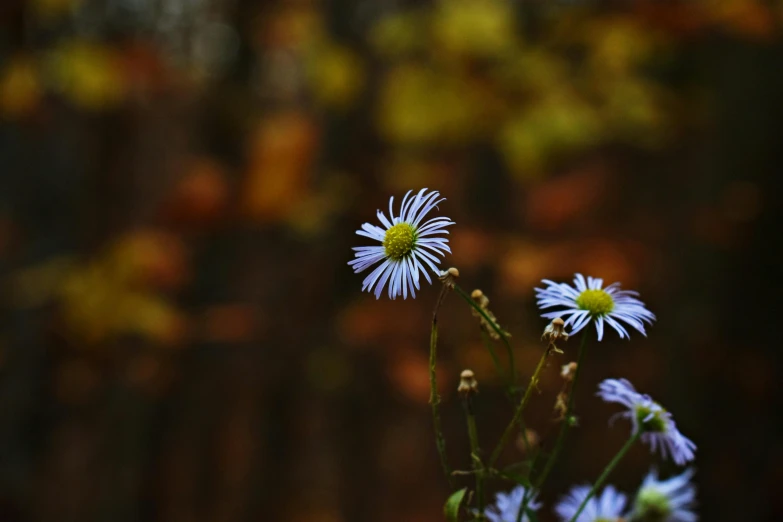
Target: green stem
(564,426)
(607,470)
(523,505)
(510,385)
(475,453)
(494,326)
(518,413)
(440,440)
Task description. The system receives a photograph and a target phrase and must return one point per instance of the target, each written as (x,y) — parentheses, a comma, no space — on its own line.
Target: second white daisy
(587,301)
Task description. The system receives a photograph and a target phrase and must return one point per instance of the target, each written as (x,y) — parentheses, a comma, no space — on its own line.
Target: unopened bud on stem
(448,277)
(555,331)
(567,371)
(468,385)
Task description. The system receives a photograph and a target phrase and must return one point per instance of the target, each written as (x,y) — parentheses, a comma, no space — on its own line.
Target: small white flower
(656,424)
(586,301)
(670,500)
(606,507)
(506,506)
(407,247)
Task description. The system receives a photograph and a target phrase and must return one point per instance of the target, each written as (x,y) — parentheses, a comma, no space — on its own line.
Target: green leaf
(532,516)
(517,467)
(451,509)
(518,473)
(522,480)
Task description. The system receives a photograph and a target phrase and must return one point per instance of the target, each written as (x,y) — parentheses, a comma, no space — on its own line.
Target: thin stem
(518,413)
(475,453)
(564,426)
(607,470)
(524,503)
(440,441)
(510,385)
(494,326)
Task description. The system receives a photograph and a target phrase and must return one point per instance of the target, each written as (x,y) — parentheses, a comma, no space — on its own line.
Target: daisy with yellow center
(670,500)
(408,246)
(587,301)
(656,425)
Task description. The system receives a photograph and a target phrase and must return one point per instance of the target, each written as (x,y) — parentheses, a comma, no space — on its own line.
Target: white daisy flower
(670,500)
(506,506)
(606,507)
(407,247)
(656,424)
(586,301)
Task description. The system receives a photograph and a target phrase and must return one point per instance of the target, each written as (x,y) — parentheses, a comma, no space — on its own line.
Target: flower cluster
(409,247)
(671,500)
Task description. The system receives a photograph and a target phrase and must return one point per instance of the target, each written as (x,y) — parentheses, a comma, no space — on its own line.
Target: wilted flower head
(586,301)
(507,506)
(655,423)
(555,331)
(407,247)
(670,500)
(606,507)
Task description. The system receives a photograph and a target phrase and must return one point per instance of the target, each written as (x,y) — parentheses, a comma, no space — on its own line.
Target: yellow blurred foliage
(20,87)
(558,123)
(148,257)
(419,105)
(632,110)
(115,293)
(400,33)
(480,28)
(536,100)
(336,75)
(616,47)
(88,74)
(97,305)
(536,70)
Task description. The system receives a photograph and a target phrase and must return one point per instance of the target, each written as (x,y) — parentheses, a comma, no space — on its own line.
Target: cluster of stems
(487,469)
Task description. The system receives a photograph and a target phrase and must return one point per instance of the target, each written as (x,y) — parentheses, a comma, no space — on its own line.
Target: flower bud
(555,331)
(468,385)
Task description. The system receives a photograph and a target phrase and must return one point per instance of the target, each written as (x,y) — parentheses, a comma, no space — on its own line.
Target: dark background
(180,182)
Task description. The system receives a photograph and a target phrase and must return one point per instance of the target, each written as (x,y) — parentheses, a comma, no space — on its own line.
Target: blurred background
(181,339)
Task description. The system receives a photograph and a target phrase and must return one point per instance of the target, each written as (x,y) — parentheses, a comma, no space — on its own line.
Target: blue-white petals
(609,505)
(506,506)
(677,493)
(402,276)
(669,441)
(627,308)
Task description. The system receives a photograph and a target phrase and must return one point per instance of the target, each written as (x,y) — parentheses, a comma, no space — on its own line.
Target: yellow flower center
(652,505)
(655,424)
(399,241)
(597,302)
